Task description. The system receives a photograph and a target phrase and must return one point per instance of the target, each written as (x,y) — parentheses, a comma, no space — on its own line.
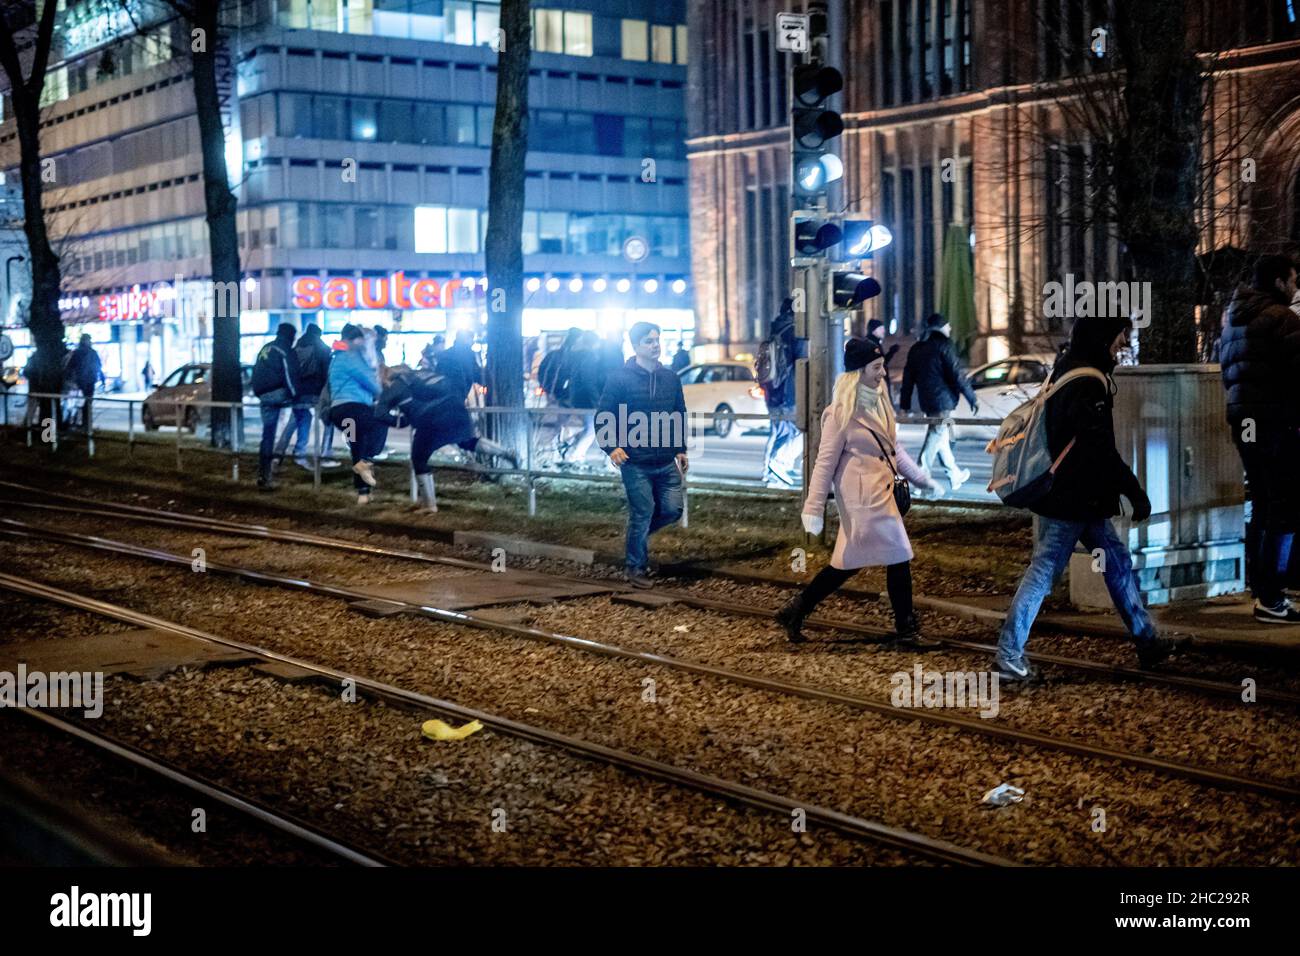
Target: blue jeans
(654,499)
(1052,550)
(266,450)
(298,429)
(776,457)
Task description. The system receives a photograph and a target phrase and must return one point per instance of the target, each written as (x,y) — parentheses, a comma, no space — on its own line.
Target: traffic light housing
(811,236)
(862,237)
(848,290)
(812,126)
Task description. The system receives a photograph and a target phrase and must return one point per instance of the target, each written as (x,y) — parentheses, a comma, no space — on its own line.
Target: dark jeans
(266,450)
(364,429)
(1271,463)
(654,499)
(422,448)
(1052,550)
(898,582)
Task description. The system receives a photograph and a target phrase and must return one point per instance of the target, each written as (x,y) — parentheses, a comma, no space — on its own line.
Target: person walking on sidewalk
(354,387)
(313,357)
(275,383)
(1259,352)
(1083,497)
(84,370)
(933,370)
(860,456)
(641,424)
(774,370)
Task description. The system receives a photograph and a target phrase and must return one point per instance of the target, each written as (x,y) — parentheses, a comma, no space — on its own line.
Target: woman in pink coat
(859,455)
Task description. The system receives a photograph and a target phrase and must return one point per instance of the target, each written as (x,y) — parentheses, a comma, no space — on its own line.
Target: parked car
(189,383)
(1001,386)
(723,390)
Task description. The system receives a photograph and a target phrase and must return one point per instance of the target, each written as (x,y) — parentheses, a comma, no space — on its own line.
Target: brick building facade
(954,114)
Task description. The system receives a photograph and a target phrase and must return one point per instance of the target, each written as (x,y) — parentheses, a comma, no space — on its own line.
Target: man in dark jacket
(84,370)
(781,456)
(1083,498)
(276,384)
(313,357)
(1259,352)
(463,356)
(932,369)
(583,371)
(641,424)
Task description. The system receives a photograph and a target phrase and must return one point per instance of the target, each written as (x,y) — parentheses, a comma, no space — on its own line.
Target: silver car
(189,383)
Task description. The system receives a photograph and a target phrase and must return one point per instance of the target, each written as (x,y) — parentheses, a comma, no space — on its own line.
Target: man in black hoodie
(1259,352)
(641,424)
(275,383)
(313,367)
(1083,498)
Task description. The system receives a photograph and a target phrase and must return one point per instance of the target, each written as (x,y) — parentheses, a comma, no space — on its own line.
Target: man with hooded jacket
(1083,498)
(1259,352)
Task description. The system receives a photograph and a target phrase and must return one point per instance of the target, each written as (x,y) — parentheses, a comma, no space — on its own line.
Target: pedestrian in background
(876,330)
(1259,352)
(681,358)
(860,457)
(1090,477)
(463,355)
(275,383)
(429,355)
(583,392)
(774,370)
(313,357)
(653,471)
(934,372)
(354,388)
(83,369)
(148,374)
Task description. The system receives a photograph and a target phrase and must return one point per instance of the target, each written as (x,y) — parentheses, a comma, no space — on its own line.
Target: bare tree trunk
(503,246)
(212,63)
(1158,169)
(45,322)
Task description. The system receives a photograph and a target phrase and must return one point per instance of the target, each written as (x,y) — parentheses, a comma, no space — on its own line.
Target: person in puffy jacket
(313,357)
(432,402)
(354,388)
(276,384)
(1090,480)
(1259,353)
(933,370)
(858,456)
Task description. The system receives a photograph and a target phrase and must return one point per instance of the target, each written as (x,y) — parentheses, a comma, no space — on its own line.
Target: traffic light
(847,290)
(811,236)
(812,126)
(862,237)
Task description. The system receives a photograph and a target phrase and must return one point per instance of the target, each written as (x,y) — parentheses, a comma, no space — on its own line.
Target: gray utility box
(1171,427)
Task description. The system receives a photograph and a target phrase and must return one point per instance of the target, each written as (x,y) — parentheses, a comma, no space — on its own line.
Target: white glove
(813,524)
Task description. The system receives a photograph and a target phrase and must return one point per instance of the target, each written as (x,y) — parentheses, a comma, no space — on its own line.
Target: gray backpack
(1023,467)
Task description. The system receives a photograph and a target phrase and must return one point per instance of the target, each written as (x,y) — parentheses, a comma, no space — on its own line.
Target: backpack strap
(1070,376)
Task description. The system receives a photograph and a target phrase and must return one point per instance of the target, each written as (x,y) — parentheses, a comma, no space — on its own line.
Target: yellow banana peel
(437,730)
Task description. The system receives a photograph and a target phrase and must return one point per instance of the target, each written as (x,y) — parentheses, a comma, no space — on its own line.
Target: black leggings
(898,582)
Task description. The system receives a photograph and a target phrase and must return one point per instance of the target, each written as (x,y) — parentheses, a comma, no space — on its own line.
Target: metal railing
(544,457)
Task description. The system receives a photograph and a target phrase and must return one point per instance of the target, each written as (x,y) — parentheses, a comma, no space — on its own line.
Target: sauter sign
(394,292)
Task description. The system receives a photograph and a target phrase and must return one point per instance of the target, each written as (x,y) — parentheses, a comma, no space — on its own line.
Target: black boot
(791,618)
(491,449)
(909,634)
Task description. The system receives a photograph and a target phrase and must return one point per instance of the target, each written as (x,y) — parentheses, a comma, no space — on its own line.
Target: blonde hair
(844,399)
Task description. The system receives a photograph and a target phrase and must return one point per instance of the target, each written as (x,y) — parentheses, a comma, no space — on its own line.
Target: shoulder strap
(1070,377)
(888,454)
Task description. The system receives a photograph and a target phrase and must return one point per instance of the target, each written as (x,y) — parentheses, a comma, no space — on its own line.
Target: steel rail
(245,806)
(855,826)
(1118,672)
(1002,732)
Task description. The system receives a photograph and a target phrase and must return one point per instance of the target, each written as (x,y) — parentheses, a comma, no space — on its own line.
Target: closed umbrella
(957,286)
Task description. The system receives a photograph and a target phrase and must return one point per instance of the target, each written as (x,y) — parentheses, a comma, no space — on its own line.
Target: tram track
(737,792)
(1200,774)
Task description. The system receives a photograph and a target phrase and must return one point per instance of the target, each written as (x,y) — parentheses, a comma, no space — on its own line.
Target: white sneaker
(382,456)
(303,463)
(364,469)
(960,478)
(330,463)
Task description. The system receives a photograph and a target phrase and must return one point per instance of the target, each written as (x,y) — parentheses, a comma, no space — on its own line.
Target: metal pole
(532,485)
(90,426)
(236,429)
(130,427)
(320,427)
(178,436)
(415,491)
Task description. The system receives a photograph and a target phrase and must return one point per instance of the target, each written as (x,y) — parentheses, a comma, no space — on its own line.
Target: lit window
(577,34)
(681,44)
(661,44)
(548,31)
(431,229)
(462,229)
(635,43)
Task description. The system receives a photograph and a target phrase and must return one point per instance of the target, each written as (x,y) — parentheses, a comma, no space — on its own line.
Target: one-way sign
(792,32)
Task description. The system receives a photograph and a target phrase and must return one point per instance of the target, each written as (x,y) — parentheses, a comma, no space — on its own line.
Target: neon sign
(136,304)
(393,292)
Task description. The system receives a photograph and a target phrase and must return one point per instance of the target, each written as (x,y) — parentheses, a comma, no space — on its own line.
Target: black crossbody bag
(902,491)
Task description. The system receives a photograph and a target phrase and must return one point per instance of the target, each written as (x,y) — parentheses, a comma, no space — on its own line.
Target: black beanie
(859,353)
